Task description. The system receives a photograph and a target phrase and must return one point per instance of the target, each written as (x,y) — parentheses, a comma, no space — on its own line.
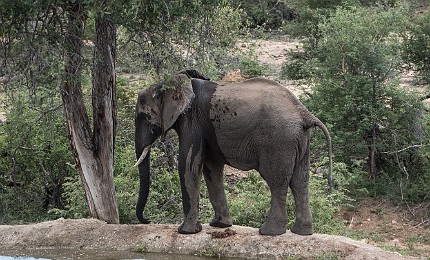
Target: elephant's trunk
(143,141)
(145,183)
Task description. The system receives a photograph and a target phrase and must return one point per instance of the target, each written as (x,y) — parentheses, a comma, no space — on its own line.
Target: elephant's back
(257,95)
(259,89)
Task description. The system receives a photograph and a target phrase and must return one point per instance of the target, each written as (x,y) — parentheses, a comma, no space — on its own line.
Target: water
(54,254)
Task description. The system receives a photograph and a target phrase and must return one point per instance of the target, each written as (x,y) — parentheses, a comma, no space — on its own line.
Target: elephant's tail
(317,123)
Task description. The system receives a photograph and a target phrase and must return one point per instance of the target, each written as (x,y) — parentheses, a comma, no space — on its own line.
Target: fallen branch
(422,222)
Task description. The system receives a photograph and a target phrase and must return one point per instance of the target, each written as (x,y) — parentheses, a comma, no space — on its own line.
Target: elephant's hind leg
(300,188)
(276,222)
(213,173)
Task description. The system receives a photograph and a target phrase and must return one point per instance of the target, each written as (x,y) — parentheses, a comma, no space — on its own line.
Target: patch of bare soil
(272,51)
(236,241)
(403,228)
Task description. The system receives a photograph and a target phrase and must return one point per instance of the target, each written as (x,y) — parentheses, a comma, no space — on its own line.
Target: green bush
(169,38)
(295,69)
(250,65)
(357,94)
(35,159)
(310,14)
(268,14)
(249,200)
(416,46)
(355,75)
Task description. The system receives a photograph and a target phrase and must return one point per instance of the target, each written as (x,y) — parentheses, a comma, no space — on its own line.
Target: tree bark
(372,155)
(93,151)
(104,111)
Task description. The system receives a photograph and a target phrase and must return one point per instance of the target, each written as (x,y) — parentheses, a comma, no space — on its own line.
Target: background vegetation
(353,56)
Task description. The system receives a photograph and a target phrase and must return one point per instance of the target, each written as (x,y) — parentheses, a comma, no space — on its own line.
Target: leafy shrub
(416,46)
(357,93)
(295,69)
(168,38)
(269,14)
(310,14)
(250,65)
(249,200)
(34,160)
(355,73)
(76,204)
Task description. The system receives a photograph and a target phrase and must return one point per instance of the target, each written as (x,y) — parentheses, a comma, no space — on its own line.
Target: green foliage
(268,14)
(168,37)
(295,69)
(249,200)
(416,46)
(325,205)
(311,13)
(126,183)
(355,73)
(250,66)
(384,3)
(34,159)
(165,201)
(76,206)
(35,152)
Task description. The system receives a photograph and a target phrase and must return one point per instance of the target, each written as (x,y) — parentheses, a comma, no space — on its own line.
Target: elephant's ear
(176,99)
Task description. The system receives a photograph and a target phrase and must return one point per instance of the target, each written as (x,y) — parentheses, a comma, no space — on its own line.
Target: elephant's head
(157,109)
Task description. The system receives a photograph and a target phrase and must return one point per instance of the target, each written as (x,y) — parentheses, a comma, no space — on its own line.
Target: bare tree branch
(406,148)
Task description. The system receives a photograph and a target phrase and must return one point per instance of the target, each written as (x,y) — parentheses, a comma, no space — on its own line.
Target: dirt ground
(379,222)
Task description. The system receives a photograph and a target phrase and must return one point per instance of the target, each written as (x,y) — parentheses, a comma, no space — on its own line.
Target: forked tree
(93,148)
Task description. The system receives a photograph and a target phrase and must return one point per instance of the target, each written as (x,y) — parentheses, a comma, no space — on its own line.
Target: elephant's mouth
(143,155)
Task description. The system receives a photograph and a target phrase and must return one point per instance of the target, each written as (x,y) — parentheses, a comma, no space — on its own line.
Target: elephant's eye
(155,130)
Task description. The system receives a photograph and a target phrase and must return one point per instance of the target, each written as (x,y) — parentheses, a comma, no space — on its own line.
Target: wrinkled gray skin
(256,124)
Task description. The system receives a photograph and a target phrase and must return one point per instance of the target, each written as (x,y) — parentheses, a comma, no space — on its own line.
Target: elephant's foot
(271,229)
(301,228)
(221,222)
(188,228)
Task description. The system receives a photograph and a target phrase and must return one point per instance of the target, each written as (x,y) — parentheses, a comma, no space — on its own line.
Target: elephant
(255,124)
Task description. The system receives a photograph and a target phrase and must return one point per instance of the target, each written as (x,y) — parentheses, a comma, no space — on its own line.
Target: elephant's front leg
(190,169)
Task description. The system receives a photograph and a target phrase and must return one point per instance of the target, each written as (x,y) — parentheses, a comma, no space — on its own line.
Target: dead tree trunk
(93,151)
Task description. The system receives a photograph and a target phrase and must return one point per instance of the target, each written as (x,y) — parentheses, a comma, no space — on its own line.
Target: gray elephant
(256,124)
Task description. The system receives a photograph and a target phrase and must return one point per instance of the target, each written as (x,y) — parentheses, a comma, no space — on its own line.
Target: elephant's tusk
(143,155)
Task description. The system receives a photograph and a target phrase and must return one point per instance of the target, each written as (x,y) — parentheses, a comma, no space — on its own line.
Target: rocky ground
(236,241)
